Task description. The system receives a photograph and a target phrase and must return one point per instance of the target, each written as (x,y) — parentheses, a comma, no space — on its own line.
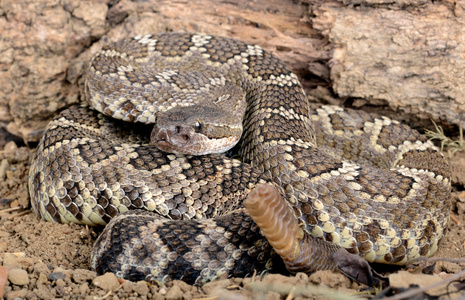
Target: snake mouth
(163,145)
(159,136)
(161,139)
(176,140)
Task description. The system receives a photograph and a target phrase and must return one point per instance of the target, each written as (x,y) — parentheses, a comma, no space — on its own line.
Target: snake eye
(198,126)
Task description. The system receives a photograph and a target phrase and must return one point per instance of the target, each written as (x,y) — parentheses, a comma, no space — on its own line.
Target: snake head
(196,130)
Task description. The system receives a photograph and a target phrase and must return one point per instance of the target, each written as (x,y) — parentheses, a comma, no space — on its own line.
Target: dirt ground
(47,260)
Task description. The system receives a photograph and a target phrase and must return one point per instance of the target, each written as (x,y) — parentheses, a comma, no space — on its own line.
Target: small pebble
(30,295)
(127,286)
(16,294)
(451,267)
(162,290)
(141,288)
(462,196)
(60,282)
(83,289)
(174,293)
(18,277)
(10,261)
(3,247)
(14,203)
(43,292)
(25,262)
(10,147)
(41,268)
(107,282)
(184,286)
(42,279)
(4,165)
(82,275)
(10,175)
(55,276)
(153,289)
(60,292)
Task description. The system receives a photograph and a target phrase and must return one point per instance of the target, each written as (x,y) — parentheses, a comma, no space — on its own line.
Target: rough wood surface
(412,59)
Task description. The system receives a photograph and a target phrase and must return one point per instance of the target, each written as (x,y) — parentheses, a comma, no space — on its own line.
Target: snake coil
(372,185)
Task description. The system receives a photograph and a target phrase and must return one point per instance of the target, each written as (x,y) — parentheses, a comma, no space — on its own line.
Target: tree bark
(411,58)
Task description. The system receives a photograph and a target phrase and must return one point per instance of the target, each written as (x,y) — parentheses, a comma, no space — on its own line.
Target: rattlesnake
(374,186)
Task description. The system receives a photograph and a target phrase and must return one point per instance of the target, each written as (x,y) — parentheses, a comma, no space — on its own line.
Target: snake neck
(269,121)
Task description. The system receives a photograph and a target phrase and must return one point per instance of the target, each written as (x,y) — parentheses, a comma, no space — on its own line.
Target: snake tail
(278,224)
(300,252)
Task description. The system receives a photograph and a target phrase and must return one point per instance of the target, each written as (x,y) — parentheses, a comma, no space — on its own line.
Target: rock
(59,290)
(184,286)
(460,208)
(18,277)
(25,262)
(93,14)
(14,203)
(60,282)
(462,196)
(451,267)
(302,277)
(42,292)
(84,289)
(82,275)
(162,290)
(4,165)
(10,148)
(41,269)
(355,58)
(107,282)
(154,290)
(127,286)
(16,294)
(55,276)
(43,280)
(278,279)
(30,295)
(141,288)
(10,261)
(174,293)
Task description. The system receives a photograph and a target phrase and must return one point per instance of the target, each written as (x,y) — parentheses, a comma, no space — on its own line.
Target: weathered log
(409,54)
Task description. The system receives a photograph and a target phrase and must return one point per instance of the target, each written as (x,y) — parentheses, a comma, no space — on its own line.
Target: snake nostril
(177,129)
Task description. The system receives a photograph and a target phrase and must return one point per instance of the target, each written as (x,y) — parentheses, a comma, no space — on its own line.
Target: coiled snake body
(372,186)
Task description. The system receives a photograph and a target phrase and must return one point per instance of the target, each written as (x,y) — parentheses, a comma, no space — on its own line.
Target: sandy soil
(48,260)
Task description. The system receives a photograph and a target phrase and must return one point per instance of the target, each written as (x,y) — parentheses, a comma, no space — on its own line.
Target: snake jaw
(177,139)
